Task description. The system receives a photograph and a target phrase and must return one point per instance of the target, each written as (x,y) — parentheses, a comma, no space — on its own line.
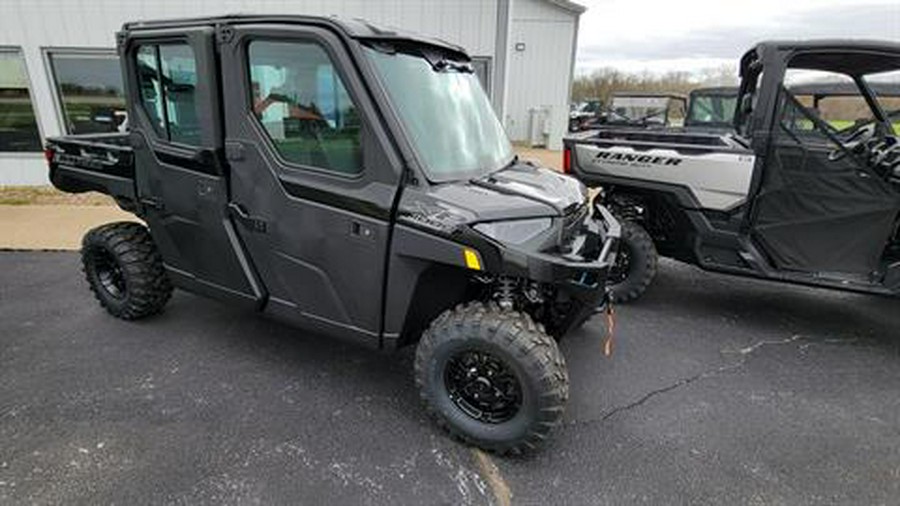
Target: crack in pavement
(678,384)
(745,353)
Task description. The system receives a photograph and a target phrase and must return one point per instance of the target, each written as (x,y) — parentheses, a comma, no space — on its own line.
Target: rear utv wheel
(635,265)
(491,377)
(124,270)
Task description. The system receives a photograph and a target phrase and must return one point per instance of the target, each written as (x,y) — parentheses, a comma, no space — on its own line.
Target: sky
(692,35)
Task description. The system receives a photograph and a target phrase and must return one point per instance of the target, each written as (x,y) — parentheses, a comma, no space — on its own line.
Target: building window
(302,103)
(18,125)
(482,67)
(167,78)
(89,87)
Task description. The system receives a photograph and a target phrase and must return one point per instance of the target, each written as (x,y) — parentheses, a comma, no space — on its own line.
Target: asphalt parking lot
(721,391)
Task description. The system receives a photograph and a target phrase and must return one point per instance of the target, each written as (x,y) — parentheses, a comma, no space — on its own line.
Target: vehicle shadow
(770,307)
(315,362)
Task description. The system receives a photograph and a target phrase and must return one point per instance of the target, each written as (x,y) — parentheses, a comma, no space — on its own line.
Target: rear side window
(300,100)
(167,78)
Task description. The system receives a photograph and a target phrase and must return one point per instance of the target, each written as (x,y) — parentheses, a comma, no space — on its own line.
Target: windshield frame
(450,62)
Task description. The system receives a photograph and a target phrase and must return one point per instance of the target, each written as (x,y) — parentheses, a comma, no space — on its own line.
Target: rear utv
(804,187)
(351,181)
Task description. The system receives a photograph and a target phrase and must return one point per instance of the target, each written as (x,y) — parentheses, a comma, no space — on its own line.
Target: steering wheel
(860,137)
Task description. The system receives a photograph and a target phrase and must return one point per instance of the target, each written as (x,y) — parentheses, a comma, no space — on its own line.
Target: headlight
(514,231)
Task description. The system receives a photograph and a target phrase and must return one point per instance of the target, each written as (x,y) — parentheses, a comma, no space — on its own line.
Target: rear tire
(124,270)
(636,263)
(507,359)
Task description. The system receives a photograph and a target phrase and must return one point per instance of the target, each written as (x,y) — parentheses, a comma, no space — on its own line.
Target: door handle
(240,214)
(361,230)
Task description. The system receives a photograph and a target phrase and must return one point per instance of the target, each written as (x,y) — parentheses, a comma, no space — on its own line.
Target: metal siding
(540,75)
(36,24)
(537,77)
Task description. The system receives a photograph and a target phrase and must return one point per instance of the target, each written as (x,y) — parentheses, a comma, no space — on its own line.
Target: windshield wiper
(447,65)
(512,162)
(440,63)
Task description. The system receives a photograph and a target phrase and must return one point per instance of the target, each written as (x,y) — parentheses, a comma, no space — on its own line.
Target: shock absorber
(503,292)
(627,208)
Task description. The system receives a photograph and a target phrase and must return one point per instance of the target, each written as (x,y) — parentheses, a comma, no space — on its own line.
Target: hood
(518,192)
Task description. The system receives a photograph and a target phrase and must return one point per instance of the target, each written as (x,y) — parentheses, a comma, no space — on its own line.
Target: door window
(886,87)
(832,97)
(301,101)
(167,79)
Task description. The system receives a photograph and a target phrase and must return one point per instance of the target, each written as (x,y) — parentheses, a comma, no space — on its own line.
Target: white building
(59,71)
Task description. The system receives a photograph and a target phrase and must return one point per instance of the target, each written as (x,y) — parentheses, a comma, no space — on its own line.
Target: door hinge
(234,151)
(240,214)
(224,34)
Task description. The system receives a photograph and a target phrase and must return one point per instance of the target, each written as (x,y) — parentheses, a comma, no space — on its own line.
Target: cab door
(821,209)
(313,178)
(176,132)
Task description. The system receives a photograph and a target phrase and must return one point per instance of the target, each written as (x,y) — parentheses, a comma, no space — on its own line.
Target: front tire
(124,270)
(635,265)
(491,377)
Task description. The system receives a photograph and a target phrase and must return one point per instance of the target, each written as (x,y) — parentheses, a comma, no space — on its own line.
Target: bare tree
(603,82)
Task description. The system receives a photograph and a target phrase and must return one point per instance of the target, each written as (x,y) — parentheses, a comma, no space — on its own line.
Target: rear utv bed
(93,162)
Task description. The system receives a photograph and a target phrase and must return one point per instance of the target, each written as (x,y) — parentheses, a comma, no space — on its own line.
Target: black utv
(353,181)
(803,189)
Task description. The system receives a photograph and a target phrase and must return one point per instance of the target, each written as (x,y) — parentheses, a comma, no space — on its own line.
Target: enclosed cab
(353,181)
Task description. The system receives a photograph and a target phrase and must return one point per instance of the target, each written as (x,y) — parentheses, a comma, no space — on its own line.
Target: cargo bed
(93,162)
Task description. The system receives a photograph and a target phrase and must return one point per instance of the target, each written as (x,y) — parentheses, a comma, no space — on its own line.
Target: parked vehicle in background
(805,189)
(711,109)
(353,181)
(646,110)
(840,104)
(586,114)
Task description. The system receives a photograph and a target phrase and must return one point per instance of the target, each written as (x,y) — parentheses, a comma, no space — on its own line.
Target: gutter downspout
(501,58)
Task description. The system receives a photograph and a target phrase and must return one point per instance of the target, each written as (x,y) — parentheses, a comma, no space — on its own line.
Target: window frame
(42,138)
(137,98)
(256,122)
(48,52)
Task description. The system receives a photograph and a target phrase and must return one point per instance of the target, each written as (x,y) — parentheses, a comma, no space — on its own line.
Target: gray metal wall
(539,75)
(520,80)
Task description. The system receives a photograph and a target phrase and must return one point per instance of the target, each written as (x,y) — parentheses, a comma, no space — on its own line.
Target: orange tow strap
(610,329)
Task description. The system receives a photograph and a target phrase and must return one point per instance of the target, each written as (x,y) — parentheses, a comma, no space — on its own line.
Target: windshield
(640,109)
(714,109)
(446,114)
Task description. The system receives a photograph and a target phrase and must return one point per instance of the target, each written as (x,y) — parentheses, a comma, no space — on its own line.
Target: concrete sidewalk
(545,157)
(52,227)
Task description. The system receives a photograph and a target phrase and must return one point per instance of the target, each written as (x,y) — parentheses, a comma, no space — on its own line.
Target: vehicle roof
(867,44)
(353,28)
(830,54)
(844,89)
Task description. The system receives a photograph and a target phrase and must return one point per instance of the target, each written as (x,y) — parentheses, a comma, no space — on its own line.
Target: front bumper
(579,268)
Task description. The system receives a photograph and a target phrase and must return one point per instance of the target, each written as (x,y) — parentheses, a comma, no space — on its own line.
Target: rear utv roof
(826,54)
(353,28)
